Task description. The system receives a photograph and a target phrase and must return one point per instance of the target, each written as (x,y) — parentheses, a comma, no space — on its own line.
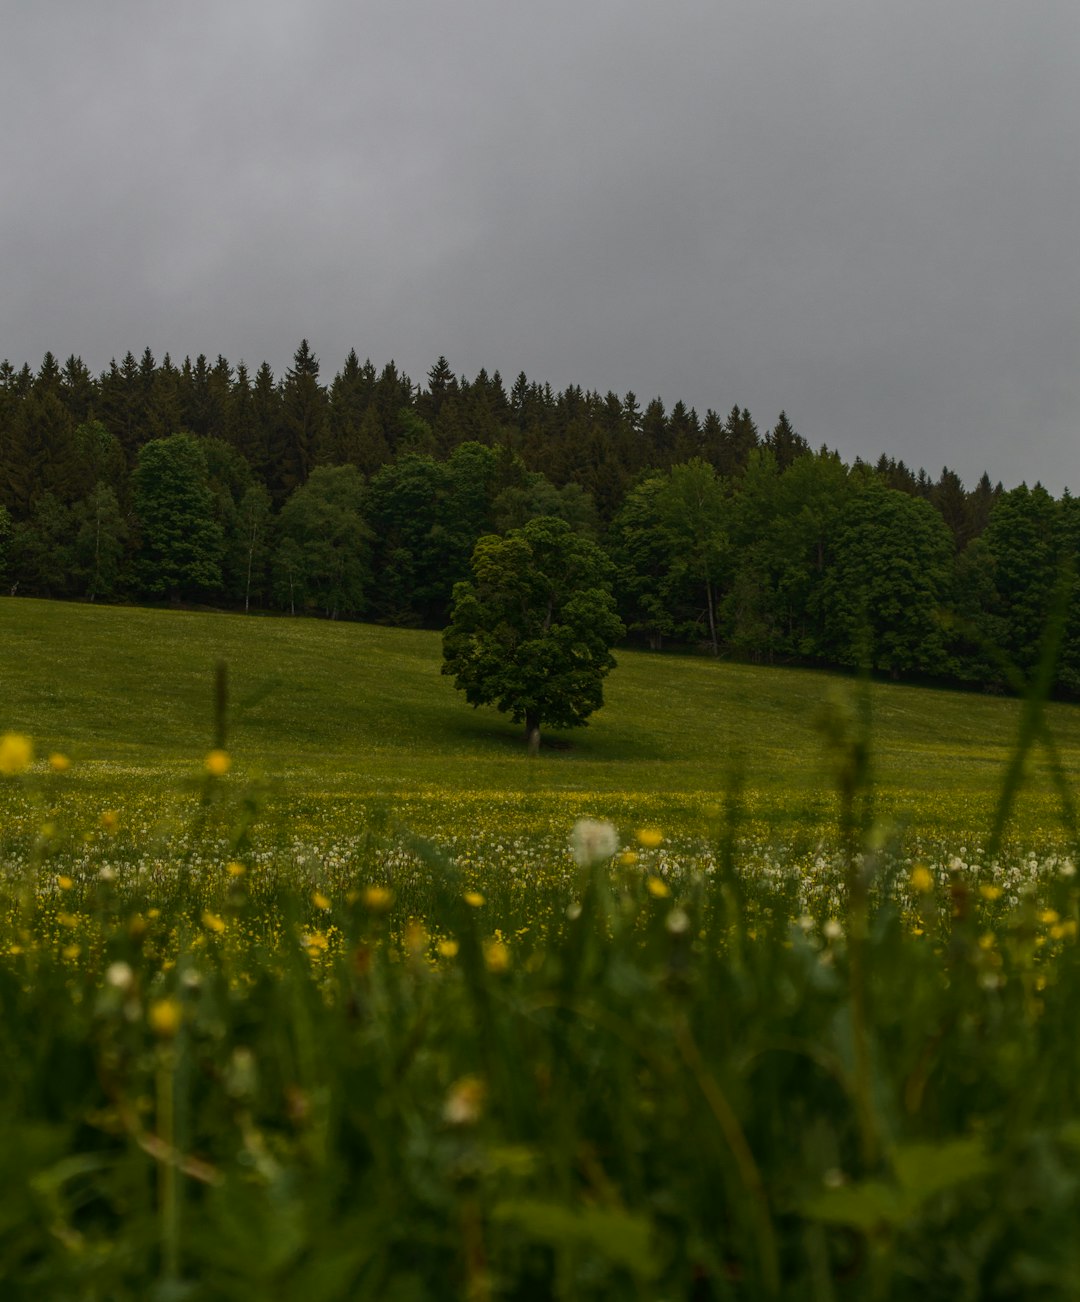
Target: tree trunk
(712,616)
(247,585)
(532,733)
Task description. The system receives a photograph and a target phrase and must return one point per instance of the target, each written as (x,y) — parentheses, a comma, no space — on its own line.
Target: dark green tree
(442,388)
(642,553)
(889,577)
(100,459)
(785,443)
(6,528)
(41,549)
(181,541)
(405,506)
(302,429)
(78,390)
(782,526)
(948,496)
(354,435)
(532,631)
(1025,543)
(426,516)
(163,415)
(535,495)
(671,545)
(37,457)
(123,404)
(266,402)
(737,439)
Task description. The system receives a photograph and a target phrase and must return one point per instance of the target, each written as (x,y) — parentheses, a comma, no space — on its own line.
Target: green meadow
(729,996)
(340,712)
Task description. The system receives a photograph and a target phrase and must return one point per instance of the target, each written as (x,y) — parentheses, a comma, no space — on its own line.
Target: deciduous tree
(532,631)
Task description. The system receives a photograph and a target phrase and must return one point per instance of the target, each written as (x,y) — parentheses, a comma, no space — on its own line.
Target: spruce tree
(302,422)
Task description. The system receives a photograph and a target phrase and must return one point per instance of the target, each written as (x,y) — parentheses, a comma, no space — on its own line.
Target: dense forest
(207,483)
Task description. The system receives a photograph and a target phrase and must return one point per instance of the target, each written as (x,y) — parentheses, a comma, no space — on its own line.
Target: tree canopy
(532,632)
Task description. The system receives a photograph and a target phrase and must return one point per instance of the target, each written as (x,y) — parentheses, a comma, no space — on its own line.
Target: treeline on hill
(206,483)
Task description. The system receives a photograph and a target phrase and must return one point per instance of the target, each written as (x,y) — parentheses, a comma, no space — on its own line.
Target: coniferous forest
(363,497)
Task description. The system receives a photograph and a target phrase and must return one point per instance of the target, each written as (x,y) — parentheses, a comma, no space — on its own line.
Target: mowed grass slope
(342,709)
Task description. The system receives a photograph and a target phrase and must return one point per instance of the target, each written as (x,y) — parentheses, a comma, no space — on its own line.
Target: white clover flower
(592,840)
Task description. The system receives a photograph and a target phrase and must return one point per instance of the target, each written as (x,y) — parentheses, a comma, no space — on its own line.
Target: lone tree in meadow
(532,633)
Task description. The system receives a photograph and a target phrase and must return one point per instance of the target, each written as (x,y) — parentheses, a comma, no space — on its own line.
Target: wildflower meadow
(762,987)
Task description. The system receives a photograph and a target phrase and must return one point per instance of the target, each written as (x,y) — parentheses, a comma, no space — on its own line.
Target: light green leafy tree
(248,552)
(323,557)
(100,534)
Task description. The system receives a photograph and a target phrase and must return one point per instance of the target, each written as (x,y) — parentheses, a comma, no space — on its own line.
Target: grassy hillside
(339,710)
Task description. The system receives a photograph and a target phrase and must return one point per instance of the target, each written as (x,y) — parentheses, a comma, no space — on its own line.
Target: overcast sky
(866,212)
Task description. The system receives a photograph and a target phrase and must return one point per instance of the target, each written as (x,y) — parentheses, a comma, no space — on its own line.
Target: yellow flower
(235,869)
(218,763)
(990,892)
(447,948)
(16,753)
(473,899)
(496,955)
(110,821)
(316,943)
(165,1017)
(70,952)
(922,879)
(65,883)
(212,922)
(649,837)
(628,858)
(319,900)
(1049,916)
(59,763)
(657,888)
(378,898)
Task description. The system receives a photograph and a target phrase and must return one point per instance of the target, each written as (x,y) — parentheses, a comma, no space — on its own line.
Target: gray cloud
(864,214)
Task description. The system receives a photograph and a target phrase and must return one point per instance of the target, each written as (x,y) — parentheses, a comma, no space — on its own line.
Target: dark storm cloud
(863,213)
